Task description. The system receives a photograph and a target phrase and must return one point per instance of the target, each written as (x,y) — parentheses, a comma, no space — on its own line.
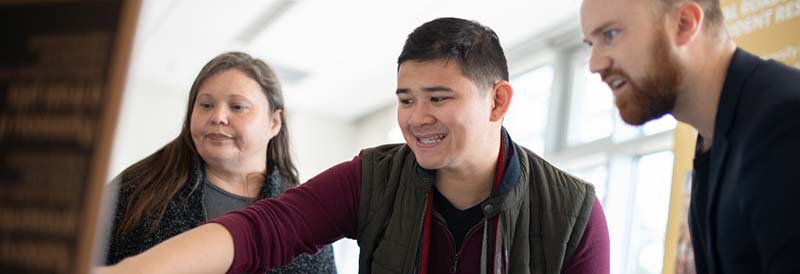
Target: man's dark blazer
(746,217)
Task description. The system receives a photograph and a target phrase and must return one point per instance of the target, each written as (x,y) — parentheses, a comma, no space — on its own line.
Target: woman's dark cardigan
(186,211)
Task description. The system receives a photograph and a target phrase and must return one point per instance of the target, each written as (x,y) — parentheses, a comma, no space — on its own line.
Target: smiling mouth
(431,140)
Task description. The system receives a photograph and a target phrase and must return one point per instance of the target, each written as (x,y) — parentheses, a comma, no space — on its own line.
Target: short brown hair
(711,9)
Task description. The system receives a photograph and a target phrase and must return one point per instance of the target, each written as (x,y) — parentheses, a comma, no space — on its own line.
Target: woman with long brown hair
(233,149)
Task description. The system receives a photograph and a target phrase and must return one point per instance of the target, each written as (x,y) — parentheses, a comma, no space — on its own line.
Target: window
(591,109)
(650,207)
(526,119)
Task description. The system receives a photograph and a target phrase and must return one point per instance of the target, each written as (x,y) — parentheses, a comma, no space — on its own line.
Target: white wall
(378,127)
(151,115)
(319,142)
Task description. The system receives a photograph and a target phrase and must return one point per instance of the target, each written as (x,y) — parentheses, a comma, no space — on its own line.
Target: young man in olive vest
(459,197)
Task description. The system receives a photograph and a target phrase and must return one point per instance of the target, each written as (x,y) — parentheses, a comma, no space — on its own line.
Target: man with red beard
(675,57)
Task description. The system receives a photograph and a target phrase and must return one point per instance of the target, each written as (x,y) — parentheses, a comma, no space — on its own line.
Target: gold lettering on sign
(43,256)
(54,96)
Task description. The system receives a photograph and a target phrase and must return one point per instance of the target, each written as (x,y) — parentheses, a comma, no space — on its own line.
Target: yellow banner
(767,28)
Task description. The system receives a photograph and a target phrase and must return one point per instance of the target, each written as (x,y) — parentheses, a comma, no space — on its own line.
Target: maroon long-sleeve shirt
(272,232)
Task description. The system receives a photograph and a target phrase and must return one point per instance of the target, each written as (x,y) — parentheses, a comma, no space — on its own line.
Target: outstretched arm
(207,249)
(267,234)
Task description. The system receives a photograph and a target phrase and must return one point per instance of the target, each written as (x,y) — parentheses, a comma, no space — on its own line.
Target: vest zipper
(460,248)
(450,237)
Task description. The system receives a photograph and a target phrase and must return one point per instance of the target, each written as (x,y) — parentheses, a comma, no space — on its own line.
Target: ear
(275,121)
(690,19)
(501,100)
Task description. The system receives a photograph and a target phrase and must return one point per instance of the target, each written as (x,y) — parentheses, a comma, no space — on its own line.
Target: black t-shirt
(459,222)
(698,208)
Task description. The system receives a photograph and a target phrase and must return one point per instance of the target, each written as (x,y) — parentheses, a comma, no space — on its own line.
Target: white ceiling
(333,57)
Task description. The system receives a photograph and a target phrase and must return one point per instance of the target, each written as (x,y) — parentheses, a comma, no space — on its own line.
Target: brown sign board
(62,71)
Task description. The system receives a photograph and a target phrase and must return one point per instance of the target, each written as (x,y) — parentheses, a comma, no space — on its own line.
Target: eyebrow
(426,89)
(238,96)
(437,88)
(229,97)
(598,30)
